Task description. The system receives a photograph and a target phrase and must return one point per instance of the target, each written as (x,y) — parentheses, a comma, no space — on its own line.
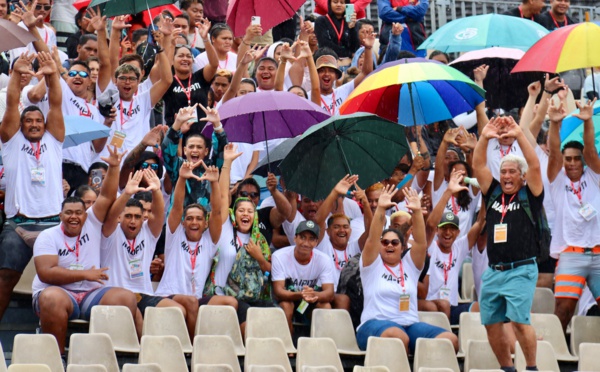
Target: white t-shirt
(440,263)
(240,165)
(22,102)
(382,291)
(318,271)
(142,87)
(339,95)
(465,215)
(495,153)
(228,246)
(570,228)
(128,261)
(548,202)
(52,242)
(230,63)
(338,258)
(24,195)
(177,277)
(46,33)
(480,264)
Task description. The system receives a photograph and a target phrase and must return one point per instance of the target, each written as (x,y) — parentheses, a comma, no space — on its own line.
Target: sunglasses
(154,167)
(45,7)
(393,242)
(74,73)
(245,194)
(131,79)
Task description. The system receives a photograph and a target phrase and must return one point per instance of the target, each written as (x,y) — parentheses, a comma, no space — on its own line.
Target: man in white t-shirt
(448,253)
(32,154)
(46,33)
(70,279)
(576,233)
(297,272)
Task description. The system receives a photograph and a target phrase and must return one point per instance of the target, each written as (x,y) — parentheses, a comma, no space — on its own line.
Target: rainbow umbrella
(415,94)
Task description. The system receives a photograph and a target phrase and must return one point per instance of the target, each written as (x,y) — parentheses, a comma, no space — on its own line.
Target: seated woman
(390,280)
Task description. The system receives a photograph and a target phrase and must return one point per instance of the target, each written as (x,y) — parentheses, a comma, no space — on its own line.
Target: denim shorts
(375,328)
(507,295)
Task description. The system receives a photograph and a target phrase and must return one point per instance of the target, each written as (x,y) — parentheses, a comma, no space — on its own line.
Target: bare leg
(545,280)
(288,309)
(341,301)
(526,337)
(8,281)
(189,307)
(500,344)
(565,307)
(443,306)
(394,332)
(450,336)
(55,308)
(424,305)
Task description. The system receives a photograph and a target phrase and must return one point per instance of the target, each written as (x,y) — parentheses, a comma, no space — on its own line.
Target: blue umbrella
(80,129)
(485,31)
(572,127)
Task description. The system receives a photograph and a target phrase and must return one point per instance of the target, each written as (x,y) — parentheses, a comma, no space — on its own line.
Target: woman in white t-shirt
(221,38)
(390,280)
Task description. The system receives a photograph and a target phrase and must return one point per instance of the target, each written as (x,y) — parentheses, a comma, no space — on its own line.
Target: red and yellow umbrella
(567,48)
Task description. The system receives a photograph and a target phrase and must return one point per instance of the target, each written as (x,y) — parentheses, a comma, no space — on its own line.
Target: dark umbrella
(111,8)
(361,144)
(276,156)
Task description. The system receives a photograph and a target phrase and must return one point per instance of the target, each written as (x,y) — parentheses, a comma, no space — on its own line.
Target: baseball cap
(308,226)
(328,61)
(449,218)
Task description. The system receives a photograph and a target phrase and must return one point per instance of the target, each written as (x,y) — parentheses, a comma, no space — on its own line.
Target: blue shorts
(574,270)
(82,301)
(507,295)
(455,312)
(375,328)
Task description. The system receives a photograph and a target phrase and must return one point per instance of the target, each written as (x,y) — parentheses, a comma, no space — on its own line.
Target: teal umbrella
(485,31)
(362,144)
(572,127)
(111,8)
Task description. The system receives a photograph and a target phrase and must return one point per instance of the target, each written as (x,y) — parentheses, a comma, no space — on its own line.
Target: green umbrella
(111,8)
(362,144)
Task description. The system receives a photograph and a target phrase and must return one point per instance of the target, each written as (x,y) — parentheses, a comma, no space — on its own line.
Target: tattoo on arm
(134,156)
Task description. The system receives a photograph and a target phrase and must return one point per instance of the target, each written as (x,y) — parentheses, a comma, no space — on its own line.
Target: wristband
(406,179)
(245,43)
(548,91)
(218,128)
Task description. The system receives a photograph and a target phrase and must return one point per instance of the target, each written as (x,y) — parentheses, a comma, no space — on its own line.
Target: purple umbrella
(262,116)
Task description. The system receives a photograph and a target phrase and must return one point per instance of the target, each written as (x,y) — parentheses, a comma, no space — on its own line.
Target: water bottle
(471,181)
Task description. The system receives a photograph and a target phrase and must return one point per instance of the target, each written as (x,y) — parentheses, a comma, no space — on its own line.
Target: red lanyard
(555,22)
(187,91)
(36,151)
(89,113)
(447,268)
(332,110)
(502,153)
(338,34)
(455,208)
(193,256)
(1,173)
(127,114)
(238,243)
(401,277)
(505,208)
(577,192)
(521,12)
(76,250)
(131,246)
(45,36)
(335,258)
(222,68)
(194,41)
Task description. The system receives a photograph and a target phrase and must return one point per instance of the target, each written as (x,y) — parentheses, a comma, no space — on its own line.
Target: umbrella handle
(344,159)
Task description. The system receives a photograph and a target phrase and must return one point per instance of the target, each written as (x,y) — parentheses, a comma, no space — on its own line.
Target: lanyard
(187,91)
(1,173)
(555,22)
(193,256)
(521,13)
(455,207)
(89,113)
(195,36)
(577,192)
(335,258)
(332,110)
(72,250)
(45,36)
(502,153)
(131,245)
(338,34)
(238,243)
(401,277)
(447,268)
(36,151)
(222,68)
(505,208)
(121,112)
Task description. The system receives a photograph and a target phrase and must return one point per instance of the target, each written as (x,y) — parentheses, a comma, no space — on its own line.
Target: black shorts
(244,306)
(15,254)
(202,301)
(144,301)
(548,266)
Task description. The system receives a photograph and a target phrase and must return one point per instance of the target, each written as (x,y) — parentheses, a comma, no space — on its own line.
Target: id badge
(117,139)
(302,307)
(404,303)
(75,267)
(135,269)
(500,233)
(588,212)
(38,175)
(445,293)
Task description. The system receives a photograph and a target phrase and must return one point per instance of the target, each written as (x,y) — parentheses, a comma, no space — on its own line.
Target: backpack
(543,235)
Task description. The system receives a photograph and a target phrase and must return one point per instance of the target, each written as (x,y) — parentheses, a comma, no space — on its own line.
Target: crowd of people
(157,201)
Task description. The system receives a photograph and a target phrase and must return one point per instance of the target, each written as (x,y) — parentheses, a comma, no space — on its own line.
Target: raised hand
(166,25)
(97,21)
(251,32)
(397,28)
(114,157)
(212,115)
(469,143)
(230,152)
(133,183)
(183,119)
(480,73)
(352,22)
(271,182)
(411,197)
(287,53)
(454,185)
(24,64)
(29,19)
(491,129)
(119,24)
(305,51)
(203,28)
(248,56)
(450,136)
(360,194)
(186,170)
(16,15)
(586,111)
(211,174)
(418,163)
(513,129)
(369,40)
(260,51)
(47,65)
(551,85)
(152,180)
(534,89)
(345,183)
(385,199)
(556,114)
(154,137)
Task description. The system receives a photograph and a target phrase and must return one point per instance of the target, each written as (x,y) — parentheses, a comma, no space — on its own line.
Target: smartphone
(97,177)
(151,29)
(349,11)
(255,20)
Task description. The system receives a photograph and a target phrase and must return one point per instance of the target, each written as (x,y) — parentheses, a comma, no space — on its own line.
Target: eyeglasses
(46,7)
(253,195)
(130,79)
(154,166)
(74,73)
(393,242)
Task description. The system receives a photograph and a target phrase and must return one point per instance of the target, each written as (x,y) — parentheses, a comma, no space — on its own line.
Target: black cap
(308,226)
(449,218)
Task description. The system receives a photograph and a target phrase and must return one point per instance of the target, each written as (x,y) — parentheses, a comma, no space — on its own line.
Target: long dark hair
(463,198)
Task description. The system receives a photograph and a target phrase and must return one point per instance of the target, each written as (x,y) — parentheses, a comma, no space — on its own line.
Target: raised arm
(286,56)
(418,251)
(114,50)
(215,222)
(372,245)
(315,90)
(210,69)
(434,218)
(10,124)
(112,217)
(166,76)
(590,153)
(151,139)
(534,174)
(340,190)
(480,169)
(283,208)
(361,196)
(55,123)
(555,159)
(30,21)
(157,217)
(367,66)
(243,62)
(229,155)
(105,74)
(440,165)
(108,192)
